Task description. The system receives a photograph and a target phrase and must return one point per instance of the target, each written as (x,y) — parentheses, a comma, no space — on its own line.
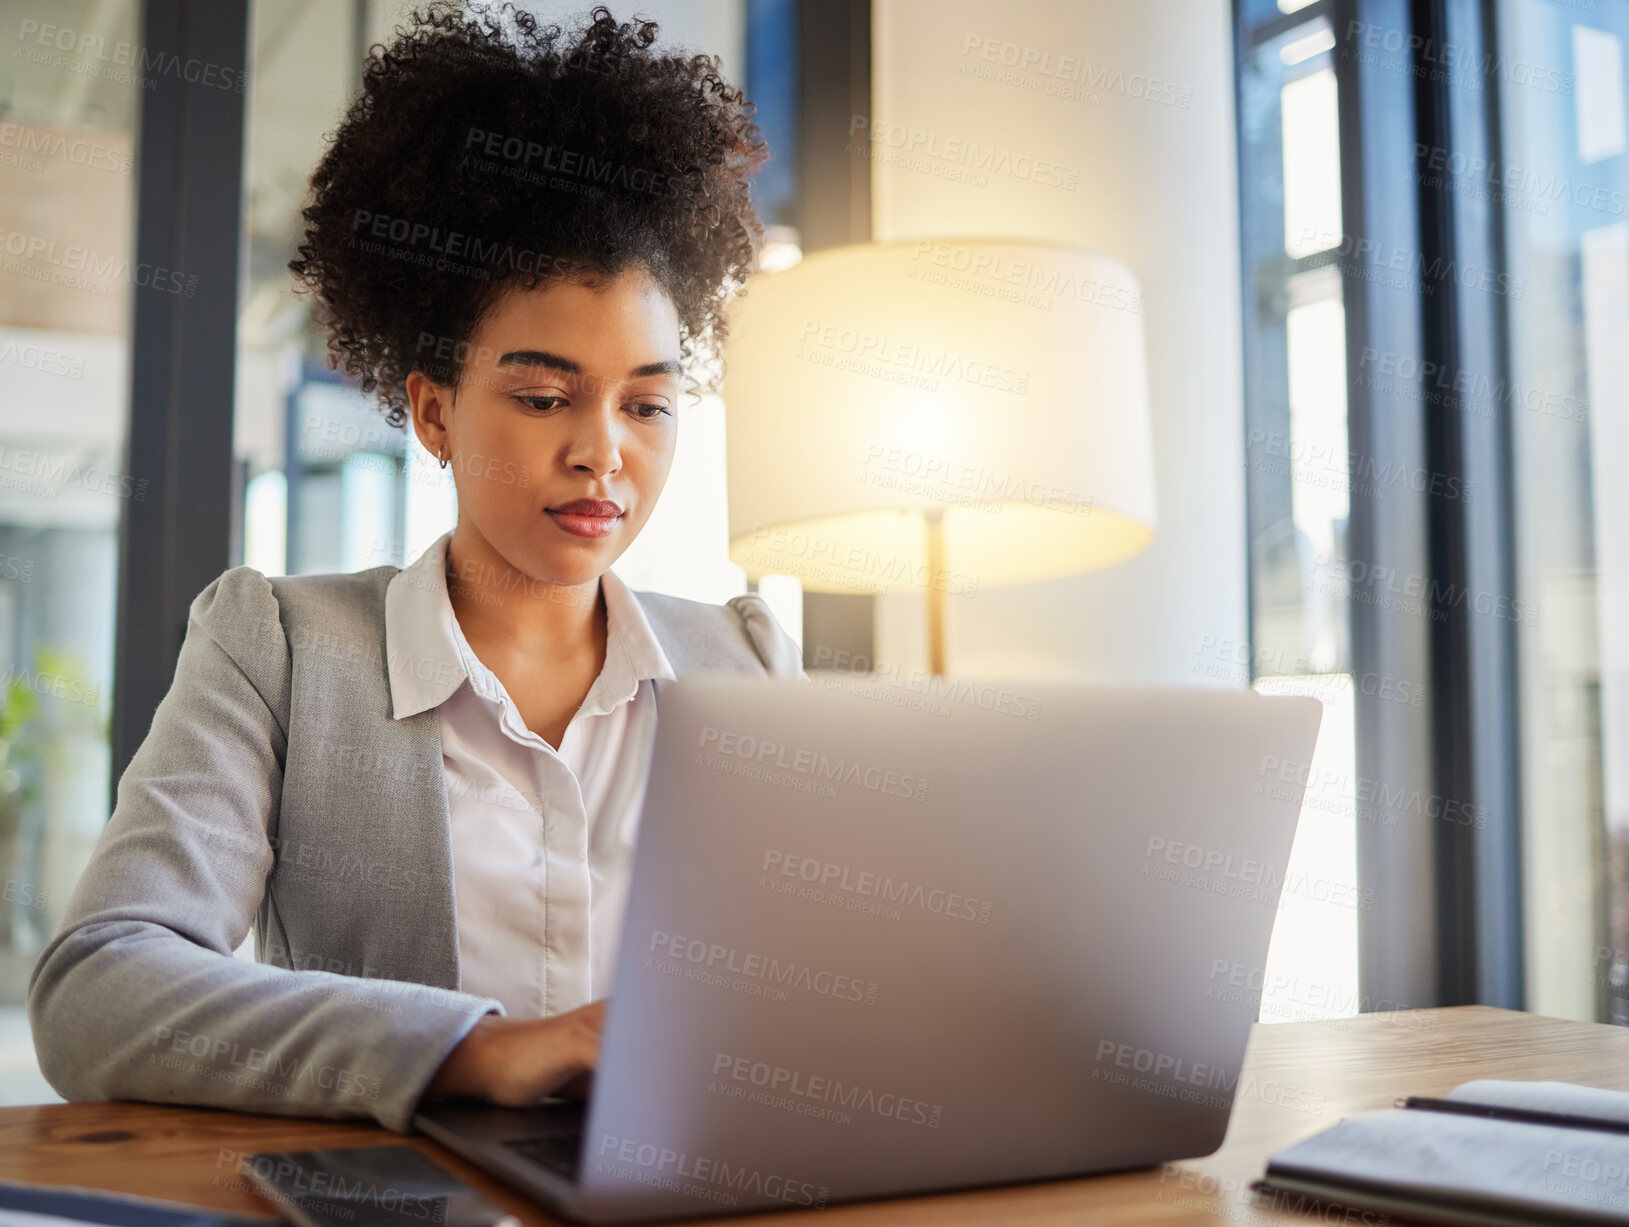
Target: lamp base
(935,518)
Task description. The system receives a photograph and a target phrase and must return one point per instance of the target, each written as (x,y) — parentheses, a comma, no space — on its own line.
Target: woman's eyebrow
(538,357)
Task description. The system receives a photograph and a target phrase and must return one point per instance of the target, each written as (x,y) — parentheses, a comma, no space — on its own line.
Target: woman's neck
(502,608)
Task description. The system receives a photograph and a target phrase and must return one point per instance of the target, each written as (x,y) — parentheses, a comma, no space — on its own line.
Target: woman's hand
(518,1061)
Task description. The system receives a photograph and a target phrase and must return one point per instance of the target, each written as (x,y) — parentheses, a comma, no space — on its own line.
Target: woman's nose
(596,444)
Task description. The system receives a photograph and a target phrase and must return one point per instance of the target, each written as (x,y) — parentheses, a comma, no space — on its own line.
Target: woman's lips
(579,525)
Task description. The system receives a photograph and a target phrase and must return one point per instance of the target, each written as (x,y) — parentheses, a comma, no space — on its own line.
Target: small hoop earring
(443,459)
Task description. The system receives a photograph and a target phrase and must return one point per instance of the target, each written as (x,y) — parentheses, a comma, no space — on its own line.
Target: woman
(420,786)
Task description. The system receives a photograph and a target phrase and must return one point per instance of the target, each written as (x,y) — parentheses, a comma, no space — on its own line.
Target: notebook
(1491,1153)
(36,1205)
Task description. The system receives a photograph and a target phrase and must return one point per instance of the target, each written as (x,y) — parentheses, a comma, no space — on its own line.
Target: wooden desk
(1298,1078)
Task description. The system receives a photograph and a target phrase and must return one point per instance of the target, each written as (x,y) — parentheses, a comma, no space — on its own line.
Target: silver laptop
(884,939)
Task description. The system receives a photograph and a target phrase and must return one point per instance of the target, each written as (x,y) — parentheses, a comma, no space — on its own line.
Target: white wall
(1157,187)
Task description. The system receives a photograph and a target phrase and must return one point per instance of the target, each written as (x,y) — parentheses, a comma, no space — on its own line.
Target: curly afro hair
(485,154)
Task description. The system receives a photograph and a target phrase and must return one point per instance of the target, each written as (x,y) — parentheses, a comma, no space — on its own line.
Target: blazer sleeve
(779,651)
(139,995)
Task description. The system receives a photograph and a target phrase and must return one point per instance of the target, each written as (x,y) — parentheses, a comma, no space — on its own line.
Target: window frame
(1446,924)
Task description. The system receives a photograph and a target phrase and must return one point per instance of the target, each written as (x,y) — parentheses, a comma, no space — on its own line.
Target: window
(1298,481)
(1562,179)
(1484,575)
(67,287)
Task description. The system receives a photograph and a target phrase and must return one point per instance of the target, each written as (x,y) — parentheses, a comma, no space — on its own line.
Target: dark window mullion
(178,538)
(1387,562)
(1477,758)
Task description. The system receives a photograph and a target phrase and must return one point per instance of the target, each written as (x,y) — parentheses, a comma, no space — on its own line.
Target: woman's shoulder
(245,583)
(741,633)
(244,606)
(779,651)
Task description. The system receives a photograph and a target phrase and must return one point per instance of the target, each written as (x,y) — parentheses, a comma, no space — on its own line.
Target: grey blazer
(275,789)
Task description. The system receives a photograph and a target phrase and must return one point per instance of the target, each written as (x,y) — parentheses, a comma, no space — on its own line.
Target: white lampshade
(1003,381)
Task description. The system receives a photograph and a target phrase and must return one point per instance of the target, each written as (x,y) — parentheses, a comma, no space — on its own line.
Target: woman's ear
(428,403)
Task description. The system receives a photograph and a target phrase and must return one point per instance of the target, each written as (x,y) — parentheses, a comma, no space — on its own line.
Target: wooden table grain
(1298,1078)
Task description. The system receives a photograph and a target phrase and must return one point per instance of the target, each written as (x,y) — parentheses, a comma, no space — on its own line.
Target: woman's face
(567,393)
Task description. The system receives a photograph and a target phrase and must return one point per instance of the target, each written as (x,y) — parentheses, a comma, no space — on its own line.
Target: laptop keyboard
(559,1148)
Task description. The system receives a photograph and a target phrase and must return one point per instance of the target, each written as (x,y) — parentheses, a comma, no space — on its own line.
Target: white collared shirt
(541,839)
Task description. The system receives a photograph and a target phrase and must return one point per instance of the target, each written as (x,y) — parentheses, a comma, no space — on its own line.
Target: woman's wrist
(518,1061)
(463,1071)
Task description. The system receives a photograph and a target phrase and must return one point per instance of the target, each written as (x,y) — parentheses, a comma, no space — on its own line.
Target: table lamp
(938,414)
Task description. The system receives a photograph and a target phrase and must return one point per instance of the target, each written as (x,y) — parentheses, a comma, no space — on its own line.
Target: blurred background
(1381,265)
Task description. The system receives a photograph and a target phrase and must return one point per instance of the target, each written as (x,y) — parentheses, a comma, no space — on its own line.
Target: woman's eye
(655,410)
(540,402)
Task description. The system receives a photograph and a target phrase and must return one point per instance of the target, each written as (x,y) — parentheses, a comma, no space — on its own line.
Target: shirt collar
(429,658)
